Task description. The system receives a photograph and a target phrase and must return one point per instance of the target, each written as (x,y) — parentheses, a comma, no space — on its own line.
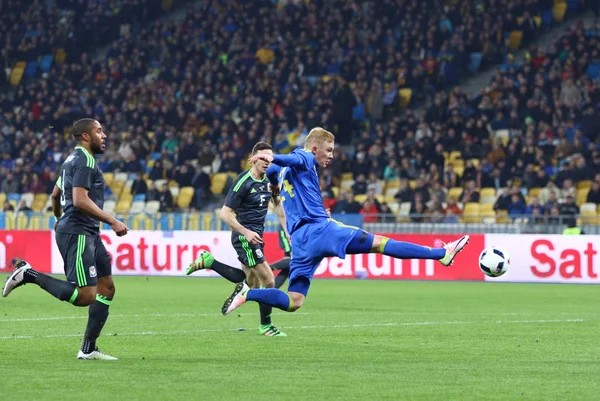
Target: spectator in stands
(369,212)
(36,186)
(545,192)
(347,204)
(471,193)
(374,185)
(504,200)
(201,183)
(166,199)
(360,186)
(184,176)
(451,179)
(535,206)
(452,211)
(438,192)
(23,207)
(139,186)
(329,201)
(391,171)
(8,207)
(516,208)
(569,208)
(10,185)
(552,202)
(385,214)
(594,194)
(568,189)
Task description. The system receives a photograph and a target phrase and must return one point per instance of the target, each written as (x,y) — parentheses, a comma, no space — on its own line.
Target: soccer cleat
(452,249)
(237,299)
(270,331)
(96,354)
(204,261)
(17,278)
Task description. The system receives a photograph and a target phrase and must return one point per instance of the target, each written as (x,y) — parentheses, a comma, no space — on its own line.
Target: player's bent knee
(86,296)
(379,243)
(106,287)
(298,301)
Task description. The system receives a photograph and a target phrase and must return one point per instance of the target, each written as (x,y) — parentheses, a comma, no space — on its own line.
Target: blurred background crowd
(184,89)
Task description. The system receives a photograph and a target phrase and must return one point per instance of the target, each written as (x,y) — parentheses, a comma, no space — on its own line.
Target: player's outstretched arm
(291,160)
(228,216)
(82,201)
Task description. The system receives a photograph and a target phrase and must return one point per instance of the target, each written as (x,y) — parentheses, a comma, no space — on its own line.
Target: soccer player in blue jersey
(313,233)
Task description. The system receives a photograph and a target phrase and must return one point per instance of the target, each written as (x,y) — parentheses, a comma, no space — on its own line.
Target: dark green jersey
(79,170)
(249,199)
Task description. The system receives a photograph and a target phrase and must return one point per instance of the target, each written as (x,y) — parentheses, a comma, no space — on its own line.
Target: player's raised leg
(365,242)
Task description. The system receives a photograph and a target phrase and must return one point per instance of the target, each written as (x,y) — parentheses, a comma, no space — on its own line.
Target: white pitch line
(336,326)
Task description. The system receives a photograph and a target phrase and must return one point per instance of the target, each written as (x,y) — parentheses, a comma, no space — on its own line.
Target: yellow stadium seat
(392,185)
(194,222)
(487,217)
(582,195)
(186,191)
(538,21)
(126,197)
(123,207)
(142,222)
(22,221)
(412,184)
(502,216)
(336,192)
(183,201)
(389,198)
(475,162)
(108,178)
(60,56)
(16,75)
(458,163)
(36,222)
(487,192)
(584,184)
(173,184)
(589,217)
(558,11)
(486,208)
(459,170)
(360,198)
(9,221)
(535,192)
(347,176)
(405,95)
(217,183)
(207,220)
(38,206)
(455,193)
(514,40)
(2,198)
(455,155)
(471,213)
(41,198)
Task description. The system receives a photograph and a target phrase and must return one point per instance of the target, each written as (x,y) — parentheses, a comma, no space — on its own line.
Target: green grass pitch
(353,340)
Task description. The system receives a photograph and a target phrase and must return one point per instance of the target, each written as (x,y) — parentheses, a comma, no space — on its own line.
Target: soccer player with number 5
(245,211)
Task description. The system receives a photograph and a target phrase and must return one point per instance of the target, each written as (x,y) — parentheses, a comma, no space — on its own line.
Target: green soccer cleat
(204,261)
(270,331)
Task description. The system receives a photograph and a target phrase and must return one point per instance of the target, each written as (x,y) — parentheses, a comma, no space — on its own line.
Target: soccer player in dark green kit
(245,211)
(79,192)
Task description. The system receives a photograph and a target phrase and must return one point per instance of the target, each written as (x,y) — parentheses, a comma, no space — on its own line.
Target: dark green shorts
(85,258)
(248,254)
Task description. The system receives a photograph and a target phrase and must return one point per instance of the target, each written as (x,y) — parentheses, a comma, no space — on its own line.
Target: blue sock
(270,296)
(406,250)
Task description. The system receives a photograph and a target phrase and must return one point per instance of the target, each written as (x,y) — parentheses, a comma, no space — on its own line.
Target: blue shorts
(312,242)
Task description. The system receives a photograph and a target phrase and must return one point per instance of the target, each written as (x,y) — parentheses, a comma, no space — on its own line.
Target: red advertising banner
(34,246)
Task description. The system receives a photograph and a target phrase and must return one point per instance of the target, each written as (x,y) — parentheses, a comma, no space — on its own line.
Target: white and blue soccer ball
(494,261)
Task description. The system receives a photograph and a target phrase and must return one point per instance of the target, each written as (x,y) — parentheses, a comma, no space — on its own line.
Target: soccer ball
(494,261)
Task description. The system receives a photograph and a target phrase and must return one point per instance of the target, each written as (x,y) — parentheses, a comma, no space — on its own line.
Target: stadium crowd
(191,98)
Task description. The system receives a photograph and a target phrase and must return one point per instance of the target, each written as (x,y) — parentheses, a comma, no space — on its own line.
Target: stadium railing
(388,223)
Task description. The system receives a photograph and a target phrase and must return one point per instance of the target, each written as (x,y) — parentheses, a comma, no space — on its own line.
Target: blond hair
(318,135)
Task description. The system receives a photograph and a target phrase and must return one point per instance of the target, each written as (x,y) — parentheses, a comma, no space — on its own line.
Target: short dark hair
(261,146)
(85,125)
